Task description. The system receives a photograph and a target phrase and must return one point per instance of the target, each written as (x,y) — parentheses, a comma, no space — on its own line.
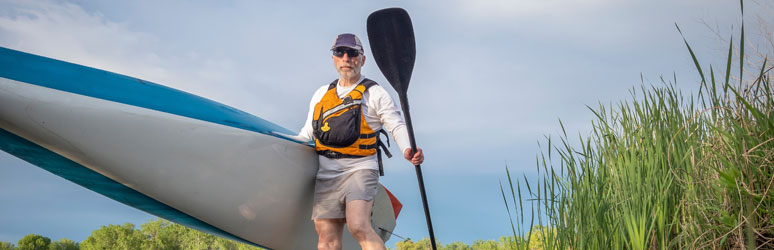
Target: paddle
(391,36)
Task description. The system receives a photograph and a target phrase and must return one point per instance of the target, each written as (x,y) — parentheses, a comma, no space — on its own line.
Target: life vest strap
(371,135)
(388,141)
(379,145)
(379,159)
(336,155)
(367,83)
(333,84)
(382,146)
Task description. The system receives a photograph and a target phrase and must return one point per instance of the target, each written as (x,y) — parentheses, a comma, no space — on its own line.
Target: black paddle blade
(391,36)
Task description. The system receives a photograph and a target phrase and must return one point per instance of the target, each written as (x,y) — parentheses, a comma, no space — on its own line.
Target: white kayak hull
(254,186)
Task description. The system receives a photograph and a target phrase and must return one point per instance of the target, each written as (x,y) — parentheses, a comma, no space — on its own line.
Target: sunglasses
(339,52)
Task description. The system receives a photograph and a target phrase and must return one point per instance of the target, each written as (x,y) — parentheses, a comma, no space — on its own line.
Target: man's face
(347,64)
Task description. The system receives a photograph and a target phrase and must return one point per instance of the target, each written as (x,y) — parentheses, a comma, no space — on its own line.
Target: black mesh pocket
(340,130)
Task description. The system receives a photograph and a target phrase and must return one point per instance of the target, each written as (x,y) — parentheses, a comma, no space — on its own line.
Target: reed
(660,171)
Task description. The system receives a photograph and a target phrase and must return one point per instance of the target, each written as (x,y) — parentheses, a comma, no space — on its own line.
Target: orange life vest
(340,128)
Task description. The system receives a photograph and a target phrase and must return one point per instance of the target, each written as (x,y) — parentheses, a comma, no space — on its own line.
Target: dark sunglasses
(339,52)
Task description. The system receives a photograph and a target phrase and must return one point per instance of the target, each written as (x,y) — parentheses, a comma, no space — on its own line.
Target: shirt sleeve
(306,133)
(390,116)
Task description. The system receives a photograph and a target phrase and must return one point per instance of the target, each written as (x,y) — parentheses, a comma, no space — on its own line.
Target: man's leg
(359,225)
(329,232)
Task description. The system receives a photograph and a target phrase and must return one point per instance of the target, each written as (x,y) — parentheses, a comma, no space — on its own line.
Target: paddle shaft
(405,107)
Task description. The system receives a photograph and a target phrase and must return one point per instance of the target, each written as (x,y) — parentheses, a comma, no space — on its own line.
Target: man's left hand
(418,157)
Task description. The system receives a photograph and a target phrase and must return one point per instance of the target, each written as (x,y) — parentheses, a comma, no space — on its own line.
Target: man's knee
(359,219)
(359,228)
(328,239)
(329,233)
(332,245)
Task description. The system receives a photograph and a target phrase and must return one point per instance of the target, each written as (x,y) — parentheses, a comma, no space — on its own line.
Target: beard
(349,73)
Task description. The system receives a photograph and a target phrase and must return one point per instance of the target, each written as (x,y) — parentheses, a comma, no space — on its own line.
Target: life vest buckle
(347,100)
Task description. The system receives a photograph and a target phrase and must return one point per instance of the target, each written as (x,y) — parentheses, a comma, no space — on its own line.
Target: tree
(124,237)
(6,246)
(194,240)
(485,245)
(408,244)
(456,246)
(540,237)
(33,242)
(506,242)
(63,244)
(160,235)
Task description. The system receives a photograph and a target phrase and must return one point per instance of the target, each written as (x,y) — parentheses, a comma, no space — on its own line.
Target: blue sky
(491,79)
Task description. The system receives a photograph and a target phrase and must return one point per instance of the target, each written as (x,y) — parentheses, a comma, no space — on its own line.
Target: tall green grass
(661,171)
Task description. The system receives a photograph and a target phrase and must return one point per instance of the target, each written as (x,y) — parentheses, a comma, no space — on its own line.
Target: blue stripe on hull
(78,79)
(81,175)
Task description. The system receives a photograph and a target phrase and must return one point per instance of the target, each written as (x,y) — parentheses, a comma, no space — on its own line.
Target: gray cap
(347,40)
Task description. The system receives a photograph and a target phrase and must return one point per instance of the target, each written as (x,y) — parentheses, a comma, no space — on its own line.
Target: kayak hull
(178,156)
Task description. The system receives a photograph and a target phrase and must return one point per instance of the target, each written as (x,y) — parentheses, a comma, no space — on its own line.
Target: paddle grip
(405,107)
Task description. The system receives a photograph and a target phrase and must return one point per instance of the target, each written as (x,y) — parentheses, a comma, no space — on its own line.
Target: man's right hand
(416,159)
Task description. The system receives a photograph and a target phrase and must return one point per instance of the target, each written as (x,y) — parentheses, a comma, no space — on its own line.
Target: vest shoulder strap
(367,83)
(333,84)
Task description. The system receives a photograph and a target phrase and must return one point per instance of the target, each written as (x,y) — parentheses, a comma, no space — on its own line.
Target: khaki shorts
(332,195)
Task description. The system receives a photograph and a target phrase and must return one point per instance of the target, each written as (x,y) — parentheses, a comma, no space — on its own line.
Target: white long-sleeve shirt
(380,112)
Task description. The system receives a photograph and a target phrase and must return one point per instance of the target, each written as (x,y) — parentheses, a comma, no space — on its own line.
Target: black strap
(336,155)
(379,159)
(367,83)
(388,140)
(333,84)
(371,135)
(380,146)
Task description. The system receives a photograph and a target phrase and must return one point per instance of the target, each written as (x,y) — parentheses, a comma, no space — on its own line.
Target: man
(345,119)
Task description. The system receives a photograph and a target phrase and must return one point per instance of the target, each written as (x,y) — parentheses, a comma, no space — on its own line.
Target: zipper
(339,108)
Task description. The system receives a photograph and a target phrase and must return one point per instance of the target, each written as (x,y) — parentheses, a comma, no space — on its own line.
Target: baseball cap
(347,40)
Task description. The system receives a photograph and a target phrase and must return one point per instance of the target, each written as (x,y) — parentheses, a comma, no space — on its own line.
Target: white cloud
(494,10)
(65,31)
(68,32)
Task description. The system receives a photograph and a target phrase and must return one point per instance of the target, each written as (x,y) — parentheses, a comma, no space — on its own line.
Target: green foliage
(63,244)
(503,243)
(485,245)
(408,244)
(154,235)
(456,246)
(540,237)
(33,242)
(160,235)
(164,235)
(6,246)
(193,239)
(124,237)
(661,171)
